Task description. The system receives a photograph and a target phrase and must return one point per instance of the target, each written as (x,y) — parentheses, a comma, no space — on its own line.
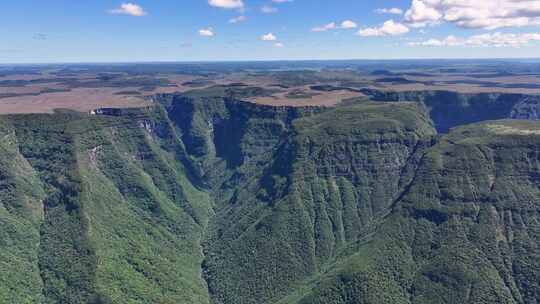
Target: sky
(63,31)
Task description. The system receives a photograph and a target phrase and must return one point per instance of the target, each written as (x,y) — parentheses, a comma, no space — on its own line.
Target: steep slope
(331,180)
(451,109)
(226,138)
(465,231)
(204,198)
(118,222)
(21,213)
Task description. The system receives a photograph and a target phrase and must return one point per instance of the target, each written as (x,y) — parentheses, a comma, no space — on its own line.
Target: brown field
(87,99)
(463,87)
(460,88)
(77,99)
(84,99)
(323,99)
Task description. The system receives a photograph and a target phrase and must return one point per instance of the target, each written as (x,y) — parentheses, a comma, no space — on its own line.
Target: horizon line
(264,60)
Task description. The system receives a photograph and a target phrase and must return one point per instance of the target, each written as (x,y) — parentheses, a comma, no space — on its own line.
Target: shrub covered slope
(207,199)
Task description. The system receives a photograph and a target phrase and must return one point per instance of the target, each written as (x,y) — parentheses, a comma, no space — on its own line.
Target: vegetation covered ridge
(109,207)
(208,199)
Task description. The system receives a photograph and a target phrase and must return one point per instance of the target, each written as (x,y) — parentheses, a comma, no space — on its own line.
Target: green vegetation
(21,195)
(120,223)
(450,109)
(207,199)
(454,234)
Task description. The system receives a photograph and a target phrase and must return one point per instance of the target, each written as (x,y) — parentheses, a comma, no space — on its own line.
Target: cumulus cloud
(393,11)
(207,32)
(389,28)
(227,4)
(421,14)
(238,19)
(267,9)
(268,37)
(130,9)
(484,40)
(481,14)
(346,24)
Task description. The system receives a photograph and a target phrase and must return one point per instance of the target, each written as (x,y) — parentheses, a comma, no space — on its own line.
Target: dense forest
(205,198)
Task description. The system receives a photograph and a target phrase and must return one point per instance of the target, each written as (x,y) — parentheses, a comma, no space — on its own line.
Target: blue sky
(41,31)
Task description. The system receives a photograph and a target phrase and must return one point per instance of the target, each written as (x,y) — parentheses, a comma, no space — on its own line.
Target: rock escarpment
(450,109)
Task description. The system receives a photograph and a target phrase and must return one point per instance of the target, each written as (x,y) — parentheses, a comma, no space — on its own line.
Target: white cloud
(130,9)
(484,40)
(448,41)
(348,24)
(268,37)
(238,19)
(228,4)
(484,14)
(326,27)
(267,9)
(393,11)
(207,32)
(279,45)
(420,14)
(389,28)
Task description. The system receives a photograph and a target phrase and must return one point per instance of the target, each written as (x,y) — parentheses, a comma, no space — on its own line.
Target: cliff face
(451,109)
(528,108)
(224,135)
(206,199)
(327,185)
(465,231)
(99,210)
